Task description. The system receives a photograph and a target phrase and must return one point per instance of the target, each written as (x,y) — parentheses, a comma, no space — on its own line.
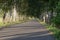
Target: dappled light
(27,17)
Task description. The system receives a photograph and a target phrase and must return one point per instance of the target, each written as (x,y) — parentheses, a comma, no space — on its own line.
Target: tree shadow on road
(32,36)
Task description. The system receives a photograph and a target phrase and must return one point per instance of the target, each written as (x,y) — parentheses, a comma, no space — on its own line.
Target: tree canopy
(31,7)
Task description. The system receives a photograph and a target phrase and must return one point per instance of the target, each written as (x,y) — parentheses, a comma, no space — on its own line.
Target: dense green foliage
(56,19)
(34,8)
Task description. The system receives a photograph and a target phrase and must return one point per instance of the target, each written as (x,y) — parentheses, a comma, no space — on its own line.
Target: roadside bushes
(56,20)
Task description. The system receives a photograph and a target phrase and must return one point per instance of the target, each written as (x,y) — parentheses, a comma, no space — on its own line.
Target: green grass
(11,23)
(54,30)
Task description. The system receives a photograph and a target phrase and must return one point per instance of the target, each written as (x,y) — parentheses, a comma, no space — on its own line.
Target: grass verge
(54,30)
(12,23)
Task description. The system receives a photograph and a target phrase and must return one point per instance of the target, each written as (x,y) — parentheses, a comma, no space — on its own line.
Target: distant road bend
(31,30)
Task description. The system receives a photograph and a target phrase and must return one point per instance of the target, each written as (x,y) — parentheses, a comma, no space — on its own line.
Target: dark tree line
(50,9)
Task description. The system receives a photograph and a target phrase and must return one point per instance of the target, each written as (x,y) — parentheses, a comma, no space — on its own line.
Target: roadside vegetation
(17,11)
(56,31)
(53,29)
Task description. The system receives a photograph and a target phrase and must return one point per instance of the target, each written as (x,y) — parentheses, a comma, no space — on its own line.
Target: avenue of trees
(45,10)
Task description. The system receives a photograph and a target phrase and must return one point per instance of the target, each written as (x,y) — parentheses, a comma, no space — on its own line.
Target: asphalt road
(31,30)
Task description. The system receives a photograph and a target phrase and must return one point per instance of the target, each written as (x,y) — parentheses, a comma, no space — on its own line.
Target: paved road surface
(31,30)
